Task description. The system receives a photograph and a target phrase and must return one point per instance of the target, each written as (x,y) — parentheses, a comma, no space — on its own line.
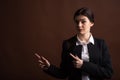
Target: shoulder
(98,39)
(100,42)
(70,42)
(71,39)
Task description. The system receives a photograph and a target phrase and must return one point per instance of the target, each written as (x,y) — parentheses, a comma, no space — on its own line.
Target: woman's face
(83,24)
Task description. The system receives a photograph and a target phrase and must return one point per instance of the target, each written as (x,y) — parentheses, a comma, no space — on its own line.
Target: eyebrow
(81,19)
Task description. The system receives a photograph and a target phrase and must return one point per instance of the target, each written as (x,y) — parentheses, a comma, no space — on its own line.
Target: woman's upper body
(99,66)
(83,56)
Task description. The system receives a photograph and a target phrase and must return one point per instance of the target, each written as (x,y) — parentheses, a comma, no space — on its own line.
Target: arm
(62,71)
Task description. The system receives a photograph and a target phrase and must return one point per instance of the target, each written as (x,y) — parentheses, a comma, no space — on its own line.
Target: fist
(77,62)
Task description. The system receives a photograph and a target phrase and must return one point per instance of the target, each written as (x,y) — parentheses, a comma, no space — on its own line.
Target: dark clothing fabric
(99,66)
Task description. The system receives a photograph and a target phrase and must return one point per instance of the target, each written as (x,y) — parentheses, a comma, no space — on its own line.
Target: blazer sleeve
(103,70)
(59,72)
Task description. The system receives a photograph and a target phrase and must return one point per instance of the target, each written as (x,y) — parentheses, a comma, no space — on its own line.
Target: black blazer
(98,68)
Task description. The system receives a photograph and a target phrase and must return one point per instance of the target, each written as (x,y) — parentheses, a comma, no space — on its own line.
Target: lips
(80,29)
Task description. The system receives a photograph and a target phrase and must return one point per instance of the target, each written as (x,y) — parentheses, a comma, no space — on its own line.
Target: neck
(84,37)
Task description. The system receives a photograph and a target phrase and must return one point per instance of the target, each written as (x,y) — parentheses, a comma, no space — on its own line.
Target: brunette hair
(86,12)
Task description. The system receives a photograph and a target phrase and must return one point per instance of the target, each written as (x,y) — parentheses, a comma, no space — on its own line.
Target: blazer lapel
(93,53)
(75,50)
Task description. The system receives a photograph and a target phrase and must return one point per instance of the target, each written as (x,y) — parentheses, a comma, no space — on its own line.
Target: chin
(81,33)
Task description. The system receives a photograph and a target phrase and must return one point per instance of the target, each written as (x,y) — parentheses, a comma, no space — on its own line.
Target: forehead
(82,17)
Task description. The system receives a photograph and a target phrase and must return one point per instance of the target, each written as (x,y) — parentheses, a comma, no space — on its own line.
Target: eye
(83,21)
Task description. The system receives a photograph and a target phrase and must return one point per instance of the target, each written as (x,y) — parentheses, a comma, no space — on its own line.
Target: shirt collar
(91,40)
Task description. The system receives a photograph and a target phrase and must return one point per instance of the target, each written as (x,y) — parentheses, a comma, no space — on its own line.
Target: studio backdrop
(40,26)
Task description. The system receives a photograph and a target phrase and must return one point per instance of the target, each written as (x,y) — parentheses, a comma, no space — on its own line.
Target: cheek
(87,27)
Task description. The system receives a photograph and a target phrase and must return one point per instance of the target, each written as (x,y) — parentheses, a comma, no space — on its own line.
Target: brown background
(30,26)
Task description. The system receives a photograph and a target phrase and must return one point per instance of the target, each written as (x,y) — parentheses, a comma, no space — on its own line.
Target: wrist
(46,67)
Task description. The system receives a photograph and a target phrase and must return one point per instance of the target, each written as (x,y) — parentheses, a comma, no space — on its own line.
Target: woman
(84,57)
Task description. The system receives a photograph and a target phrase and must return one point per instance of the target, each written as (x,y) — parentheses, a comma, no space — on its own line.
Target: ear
(92,24)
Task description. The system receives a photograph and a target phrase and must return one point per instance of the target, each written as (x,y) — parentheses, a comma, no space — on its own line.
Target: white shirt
(85,54)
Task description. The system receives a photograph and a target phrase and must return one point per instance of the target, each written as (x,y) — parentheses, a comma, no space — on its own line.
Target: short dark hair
(86,12)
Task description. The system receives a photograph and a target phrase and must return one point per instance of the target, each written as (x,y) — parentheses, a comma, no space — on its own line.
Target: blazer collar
(79,42)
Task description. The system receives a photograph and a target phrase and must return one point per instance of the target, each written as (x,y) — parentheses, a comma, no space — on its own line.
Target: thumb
(47,63)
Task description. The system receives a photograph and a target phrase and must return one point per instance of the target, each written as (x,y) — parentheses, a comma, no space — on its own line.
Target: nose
(80,25)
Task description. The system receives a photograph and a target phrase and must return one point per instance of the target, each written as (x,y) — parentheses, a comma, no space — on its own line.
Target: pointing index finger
(43,58)
(74,57)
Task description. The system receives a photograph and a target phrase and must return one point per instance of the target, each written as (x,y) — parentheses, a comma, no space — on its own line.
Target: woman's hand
(43,62)
(77,62)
